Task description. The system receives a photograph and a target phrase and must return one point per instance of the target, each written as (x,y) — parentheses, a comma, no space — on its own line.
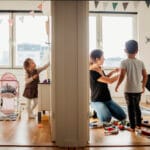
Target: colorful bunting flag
(147,2)
(10,21)
(96,3)
(40,6)
(125,5)
(114,5)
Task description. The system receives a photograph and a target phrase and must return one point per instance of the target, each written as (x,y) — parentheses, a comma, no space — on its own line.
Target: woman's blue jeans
(106,110)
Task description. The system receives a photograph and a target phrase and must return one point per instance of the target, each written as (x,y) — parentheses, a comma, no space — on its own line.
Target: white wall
(143,32)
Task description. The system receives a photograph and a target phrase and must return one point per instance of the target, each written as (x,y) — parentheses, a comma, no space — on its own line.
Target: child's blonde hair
(26,64)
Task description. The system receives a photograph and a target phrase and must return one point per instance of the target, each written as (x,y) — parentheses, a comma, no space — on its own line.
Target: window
(92,32)
(28,38)
(4,41)
(112,32)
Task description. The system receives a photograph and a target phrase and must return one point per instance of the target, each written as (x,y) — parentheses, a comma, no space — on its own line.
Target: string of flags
(115,4)
(147,3)
(21,18)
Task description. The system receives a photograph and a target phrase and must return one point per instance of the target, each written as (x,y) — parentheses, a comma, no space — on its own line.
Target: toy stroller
(9,97)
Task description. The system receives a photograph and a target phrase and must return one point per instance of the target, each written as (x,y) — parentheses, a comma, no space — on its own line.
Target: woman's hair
(26,64)
(96,53)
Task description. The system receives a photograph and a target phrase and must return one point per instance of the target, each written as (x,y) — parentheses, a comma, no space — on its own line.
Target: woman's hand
(116,70)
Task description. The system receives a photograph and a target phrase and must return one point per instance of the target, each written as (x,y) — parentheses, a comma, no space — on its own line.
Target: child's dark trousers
(133,105)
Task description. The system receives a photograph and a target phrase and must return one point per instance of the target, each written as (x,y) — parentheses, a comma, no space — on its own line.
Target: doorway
(109,32)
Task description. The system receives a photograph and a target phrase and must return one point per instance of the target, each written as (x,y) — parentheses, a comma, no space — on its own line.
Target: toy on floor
(145,123)
(111,130)
(95,124)
(145,131)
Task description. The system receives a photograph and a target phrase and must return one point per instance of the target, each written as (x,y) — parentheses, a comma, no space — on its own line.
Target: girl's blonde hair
(26,64)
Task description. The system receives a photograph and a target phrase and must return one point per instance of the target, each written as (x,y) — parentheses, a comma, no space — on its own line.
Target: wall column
(70,82)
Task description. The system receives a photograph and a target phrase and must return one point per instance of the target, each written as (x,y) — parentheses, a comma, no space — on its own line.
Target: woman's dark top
(31,89)
(99,90)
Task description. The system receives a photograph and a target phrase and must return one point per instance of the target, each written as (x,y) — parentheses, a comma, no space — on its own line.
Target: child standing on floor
(136,78)
(31,84)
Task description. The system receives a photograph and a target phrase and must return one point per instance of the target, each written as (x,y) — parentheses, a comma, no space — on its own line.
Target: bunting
(96,3)
(10,21)
(114,4)
(147,2)
(125,5)
(40,6)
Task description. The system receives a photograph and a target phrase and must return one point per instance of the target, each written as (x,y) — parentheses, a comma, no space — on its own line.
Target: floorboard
(25,134)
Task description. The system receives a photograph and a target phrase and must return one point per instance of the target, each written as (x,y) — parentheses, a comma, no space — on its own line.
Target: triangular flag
(96,3)
(40,6)
(105,4)
(147,2)
(10,21)
(125,5)
(114,5)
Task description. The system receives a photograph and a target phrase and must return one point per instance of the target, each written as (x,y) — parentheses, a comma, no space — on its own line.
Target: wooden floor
(123,140)
(96,148)
(25,134)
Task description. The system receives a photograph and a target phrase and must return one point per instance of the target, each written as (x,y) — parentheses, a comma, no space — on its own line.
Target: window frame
(99,37)
(92,15)
(12,37)
(10,44)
